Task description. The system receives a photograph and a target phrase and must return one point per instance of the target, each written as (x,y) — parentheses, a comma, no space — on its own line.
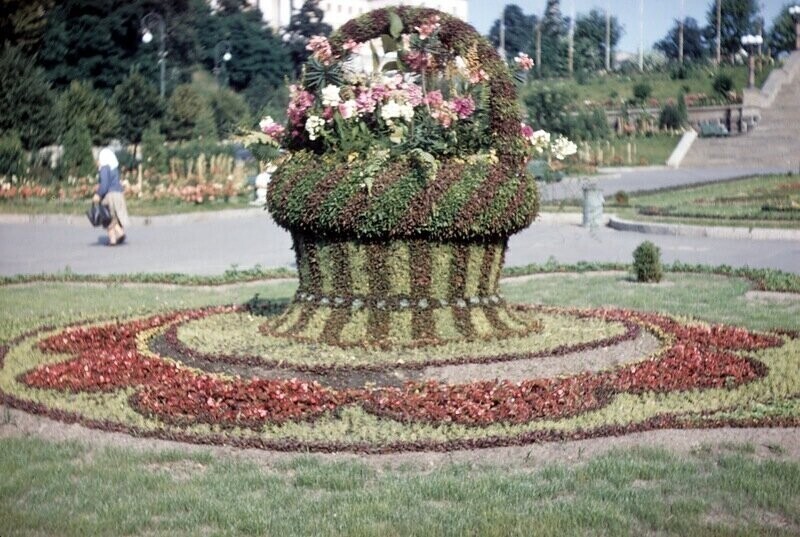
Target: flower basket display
(402,184)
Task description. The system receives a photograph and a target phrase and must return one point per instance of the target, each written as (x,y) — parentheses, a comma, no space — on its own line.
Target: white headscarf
(108,158)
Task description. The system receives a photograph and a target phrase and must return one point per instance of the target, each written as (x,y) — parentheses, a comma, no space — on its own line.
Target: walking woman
(111,193)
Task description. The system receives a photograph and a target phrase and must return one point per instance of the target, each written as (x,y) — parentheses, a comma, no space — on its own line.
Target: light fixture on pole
(751,43)
(794,11)
(222,55)
(154,21)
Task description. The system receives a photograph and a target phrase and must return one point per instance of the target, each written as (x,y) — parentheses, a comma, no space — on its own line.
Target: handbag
(99,215)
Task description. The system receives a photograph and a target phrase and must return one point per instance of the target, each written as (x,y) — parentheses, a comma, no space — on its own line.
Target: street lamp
(794,11)
(154,21)
(751,43)
(222,55)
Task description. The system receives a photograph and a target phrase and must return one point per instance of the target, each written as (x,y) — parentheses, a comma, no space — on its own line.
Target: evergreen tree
(230,111)
(304,24)
(554,43)
(737,20)
(78,160)
(138,104)
(590,40)
(185,109)
(694,47)
(781,37)
(520,33)
(23,22)
(26,100)
(80,101)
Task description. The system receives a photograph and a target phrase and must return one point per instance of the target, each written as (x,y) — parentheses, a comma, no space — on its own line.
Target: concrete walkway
(210,243)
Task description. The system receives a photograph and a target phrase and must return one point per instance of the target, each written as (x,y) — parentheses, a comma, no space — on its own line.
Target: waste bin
(592,206)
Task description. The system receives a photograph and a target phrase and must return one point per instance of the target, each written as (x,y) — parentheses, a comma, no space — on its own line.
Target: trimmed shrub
(154,149)
(621,198)
(647,263)
(722,84)
(78,159)
(12,154)
(642,92)
(670,117)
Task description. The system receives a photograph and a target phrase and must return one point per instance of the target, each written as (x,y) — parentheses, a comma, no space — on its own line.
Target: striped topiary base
(397,293)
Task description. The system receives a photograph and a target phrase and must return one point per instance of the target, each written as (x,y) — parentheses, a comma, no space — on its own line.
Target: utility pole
(502,50)
(719,32)
(680,33)
(539,48)
(641,35)
(608,39)
(571,41)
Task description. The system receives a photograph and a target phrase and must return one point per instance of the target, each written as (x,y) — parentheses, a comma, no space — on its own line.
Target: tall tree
(138,104)
(185,108)
(26,100)
(737,20)
(304,24)
(23,22)
(520,31)
(781,37)
(590,40)
(100,40)
(694,46)
(80,101)
(554,43)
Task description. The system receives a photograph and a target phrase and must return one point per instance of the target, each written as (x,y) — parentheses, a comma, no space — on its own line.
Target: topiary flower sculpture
(404,177)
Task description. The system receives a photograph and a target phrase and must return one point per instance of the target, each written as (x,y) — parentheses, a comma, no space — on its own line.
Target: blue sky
(658,15)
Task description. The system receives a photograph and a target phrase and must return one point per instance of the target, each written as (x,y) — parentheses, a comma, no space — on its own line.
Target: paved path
(211,243)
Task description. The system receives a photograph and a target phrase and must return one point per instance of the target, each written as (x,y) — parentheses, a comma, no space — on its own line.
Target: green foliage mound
(647,263)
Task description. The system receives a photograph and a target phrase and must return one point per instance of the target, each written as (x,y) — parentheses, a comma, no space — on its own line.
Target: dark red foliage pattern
(106,358)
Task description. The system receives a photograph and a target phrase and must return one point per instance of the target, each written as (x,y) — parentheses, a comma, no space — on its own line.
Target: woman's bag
(99,215)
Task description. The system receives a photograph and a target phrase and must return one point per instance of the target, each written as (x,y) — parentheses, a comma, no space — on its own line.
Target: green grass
(601,89)
(70,489)
(765,201)
(645,150)
(56,488)
(136,207)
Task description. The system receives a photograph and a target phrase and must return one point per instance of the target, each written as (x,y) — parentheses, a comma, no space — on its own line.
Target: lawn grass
(136,207)
(66,488)
(600,89)
(71,489)
(766,201)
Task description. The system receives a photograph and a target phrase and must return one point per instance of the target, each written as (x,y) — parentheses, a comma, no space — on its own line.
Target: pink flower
(348,109)
(365,103)
(429,27)
(320,48)
(378,92)
(526,130)
(270,128)
(434,99)
(327,113)
(524,61)
(300,101)
(463,106)
(476,77)
(413,94)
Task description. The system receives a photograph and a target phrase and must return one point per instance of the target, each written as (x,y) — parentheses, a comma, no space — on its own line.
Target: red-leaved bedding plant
(106,358)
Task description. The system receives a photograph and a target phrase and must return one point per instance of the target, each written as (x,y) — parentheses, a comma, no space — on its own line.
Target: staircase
(773,144)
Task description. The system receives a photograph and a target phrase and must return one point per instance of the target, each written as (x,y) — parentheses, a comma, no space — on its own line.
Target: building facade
(337,12)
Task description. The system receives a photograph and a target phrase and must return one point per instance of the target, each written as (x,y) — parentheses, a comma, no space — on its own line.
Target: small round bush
(722,84)
(621,198)
(670,117)
(642,91)
(647,263)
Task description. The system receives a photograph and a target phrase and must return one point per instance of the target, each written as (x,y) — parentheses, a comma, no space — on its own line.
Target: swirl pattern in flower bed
(110,380)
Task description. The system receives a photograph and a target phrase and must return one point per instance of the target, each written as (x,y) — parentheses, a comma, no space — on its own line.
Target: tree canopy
(737,20)
(590,40)
(694,46)
(520,31)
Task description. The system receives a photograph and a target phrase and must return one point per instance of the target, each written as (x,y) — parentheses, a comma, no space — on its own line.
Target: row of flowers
(107,358)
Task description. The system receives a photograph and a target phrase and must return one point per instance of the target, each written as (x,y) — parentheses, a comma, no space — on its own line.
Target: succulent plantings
(402,184)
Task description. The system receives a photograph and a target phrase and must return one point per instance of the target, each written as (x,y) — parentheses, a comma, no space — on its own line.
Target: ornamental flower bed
(404,176)
(176,401)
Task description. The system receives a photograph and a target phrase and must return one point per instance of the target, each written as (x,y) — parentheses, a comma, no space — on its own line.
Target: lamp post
(154,21)
(751,43)
(794,11)
(222,55)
